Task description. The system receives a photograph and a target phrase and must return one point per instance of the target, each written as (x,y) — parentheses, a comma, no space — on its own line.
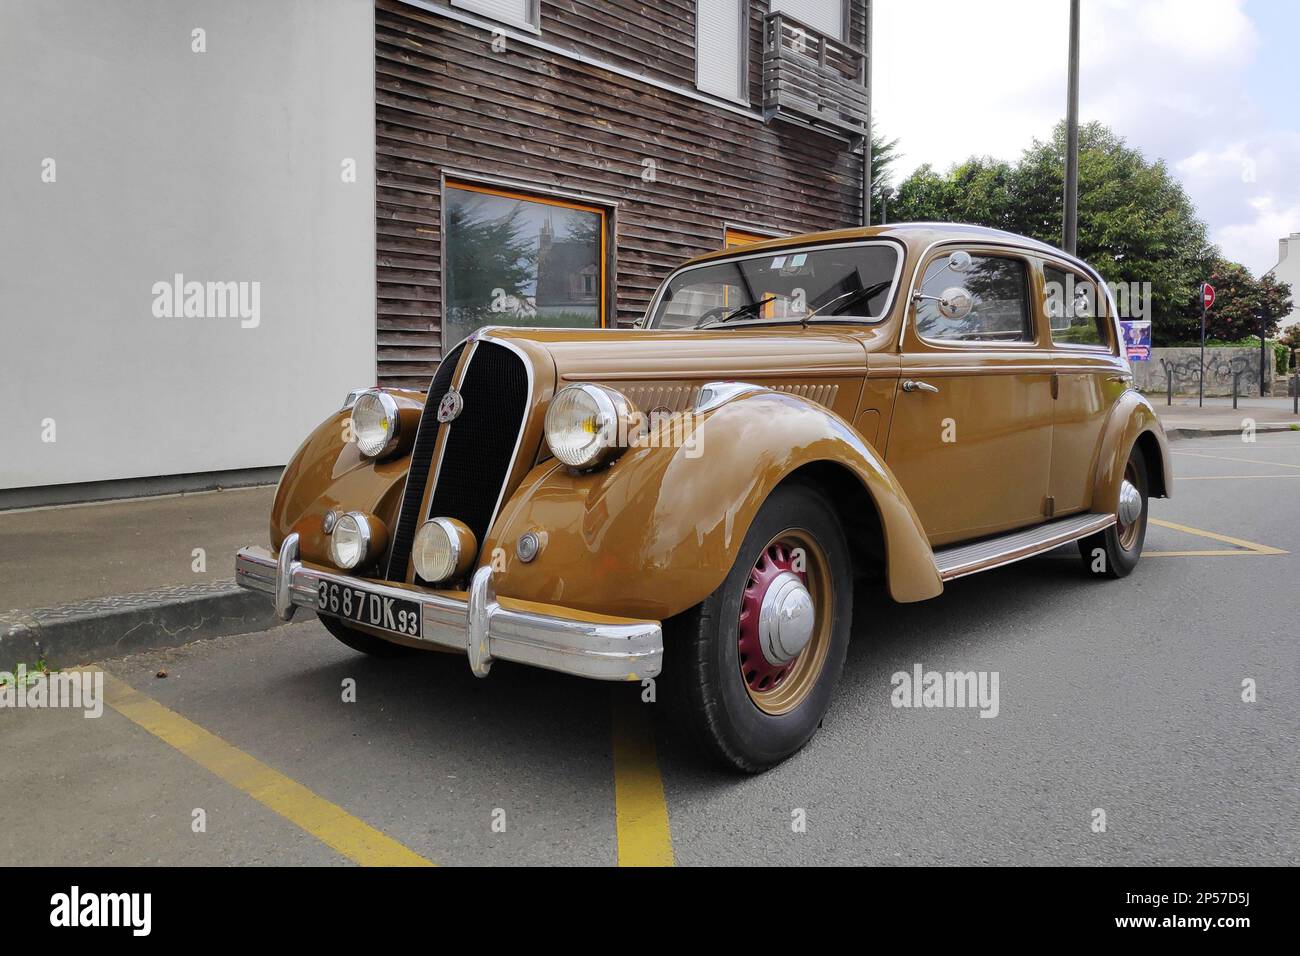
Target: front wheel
(363,642)
(1113,553)
(754,665)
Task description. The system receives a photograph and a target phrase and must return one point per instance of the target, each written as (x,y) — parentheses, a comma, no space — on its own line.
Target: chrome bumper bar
(482,628)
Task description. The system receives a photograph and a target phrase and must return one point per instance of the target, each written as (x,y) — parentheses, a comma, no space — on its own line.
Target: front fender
(656,532)
(328,473)
(1132,419)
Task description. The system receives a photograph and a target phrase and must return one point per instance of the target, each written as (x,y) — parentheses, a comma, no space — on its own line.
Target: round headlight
(586,423)
(443,550)
(375,423)
(352,542)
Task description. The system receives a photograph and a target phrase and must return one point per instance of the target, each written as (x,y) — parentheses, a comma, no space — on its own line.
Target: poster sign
(1137,339)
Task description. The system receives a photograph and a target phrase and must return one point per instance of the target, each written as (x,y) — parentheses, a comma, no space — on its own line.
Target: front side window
(998,288)
(1074,307)
(513,259)
(849,283)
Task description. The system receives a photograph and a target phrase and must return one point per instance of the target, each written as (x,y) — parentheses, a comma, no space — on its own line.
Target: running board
(992,553)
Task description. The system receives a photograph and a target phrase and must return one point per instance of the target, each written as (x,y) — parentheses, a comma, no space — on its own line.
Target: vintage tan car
(698,495)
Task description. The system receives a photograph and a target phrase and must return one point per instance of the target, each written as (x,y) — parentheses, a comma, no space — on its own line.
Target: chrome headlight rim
(613,414)
(366,534)
(392,417)
(461,545)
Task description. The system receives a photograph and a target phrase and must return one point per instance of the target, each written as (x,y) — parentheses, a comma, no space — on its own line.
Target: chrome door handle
(913,386)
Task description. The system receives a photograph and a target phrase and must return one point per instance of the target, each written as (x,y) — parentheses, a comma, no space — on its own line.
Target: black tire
(1105,553)
(363,642)
(702,658)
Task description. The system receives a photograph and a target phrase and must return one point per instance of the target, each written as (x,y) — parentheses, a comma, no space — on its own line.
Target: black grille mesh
(426,439)
(479,449)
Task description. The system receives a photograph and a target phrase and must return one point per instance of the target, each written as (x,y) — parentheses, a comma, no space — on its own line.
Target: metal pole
(1235,376)
(1262,319)
(1071,223)
(866,146)
(885,194)
(1169,376)
(1200,399)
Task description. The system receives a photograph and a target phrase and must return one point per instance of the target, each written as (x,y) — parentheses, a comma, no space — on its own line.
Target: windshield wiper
(739,311)
(852,298)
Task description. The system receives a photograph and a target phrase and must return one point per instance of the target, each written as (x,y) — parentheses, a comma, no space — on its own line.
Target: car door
(1091,376)
(971,436)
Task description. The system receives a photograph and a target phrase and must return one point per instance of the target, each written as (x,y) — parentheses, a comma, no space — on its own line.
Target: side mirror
(959,261)
(955,303)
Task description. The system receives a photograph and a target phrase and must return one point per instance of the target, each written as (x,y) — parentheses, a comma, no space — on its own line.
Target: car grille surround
(478,452)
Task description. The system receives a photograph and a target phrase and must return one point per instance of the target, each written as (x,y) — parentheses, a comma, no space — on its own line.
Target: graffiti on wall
(1220,366)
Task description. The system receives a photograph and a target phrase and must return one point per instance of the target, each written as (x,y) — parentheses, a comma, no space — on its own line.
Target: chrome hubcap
(1130,503)
(785,619)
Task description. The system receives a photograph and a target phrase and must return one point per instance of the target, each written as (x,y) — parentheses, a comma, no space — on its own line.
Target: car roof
(915,235)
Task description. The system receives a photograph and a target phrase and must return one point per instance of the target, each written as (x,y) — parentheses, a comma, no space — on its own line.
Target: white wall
(223,166)
(1288,270)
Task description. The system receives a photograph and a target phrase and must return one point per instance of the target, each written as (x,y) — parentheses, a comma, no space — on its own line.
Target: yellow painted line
(640,810)
(326,821)
(1250,546)
(1248,461)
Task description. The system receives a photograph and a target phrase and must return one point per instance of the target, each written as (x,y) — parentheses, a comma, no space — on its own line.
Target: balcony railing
(811,78)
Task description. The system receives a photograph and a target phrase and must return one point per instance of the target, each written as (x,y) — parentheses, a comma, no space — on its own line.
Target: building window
(721,48)
(517,259)
(824,16)
(733,237)
(520,13)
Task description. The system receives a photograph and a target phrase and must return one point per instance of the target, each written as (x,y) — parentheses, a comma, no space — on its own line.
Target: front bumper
(483,628)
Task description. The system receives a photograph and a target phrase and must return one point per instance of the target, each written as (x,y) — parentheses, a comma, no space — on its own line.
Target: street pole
(1200,400)
(885,193)
(1071,224)
(1262,316)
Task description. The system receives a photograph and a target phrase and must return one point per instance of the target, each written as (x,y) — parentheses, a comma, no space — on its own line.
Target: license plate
(365,607)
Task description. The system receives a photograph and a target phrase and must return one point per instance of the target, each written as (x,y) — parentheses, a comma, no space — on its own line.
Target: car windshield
(851,282)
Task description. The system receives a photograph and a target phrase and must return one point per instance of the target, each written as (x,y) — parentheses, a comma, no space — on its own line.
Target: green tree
(1136,223)
(1238,299)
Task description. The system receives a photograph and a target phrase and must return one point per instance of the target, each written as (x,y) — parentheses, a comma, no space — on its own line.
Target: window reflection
(513,260)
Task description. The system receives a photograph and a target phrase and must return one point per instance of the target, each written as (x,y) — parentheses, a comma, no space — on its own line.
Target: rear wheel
(363,642)
(1115,552)
(753,667)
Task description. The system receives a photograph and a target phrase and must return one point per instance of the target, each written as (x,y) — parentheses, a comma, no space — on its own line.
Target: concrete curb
(113,626)
(1177,434)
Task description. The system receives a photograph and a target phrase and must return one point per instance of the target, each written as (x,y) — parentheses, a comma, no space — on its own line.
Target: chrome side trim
(964,559)
(480,627)
(713,394)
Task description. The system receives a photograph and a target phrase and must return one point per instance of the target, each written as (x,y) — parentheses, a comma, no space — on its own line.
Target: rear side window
(999,293)
(1075,308)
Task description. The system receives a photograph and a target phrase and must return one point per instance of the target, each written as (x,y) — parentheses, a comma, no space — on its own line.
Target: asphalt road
(1121,696)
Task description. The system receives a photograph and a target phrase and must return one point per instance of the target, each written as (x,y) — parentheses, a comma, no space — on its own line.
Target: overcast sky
(1210,86)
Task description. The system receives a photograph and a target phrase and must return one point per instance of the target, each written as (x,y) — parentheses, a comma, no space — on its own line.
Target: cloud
(952,79)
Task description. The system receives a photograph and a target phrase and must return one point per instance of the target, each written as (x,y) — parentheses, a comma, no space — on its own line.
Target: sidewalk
(94,580)
(1185,419)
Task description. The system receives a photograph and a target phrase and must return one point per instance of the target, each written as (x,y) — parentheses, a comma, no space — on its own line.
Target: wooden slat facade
(447,105)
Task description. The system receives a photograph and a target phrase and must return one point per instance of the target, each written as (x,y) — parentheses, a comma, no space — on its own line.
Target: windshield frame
(900,249)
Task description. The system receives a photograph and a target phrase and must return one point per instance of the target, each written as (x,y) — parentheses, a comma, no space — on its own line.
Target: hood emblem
(450,406)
